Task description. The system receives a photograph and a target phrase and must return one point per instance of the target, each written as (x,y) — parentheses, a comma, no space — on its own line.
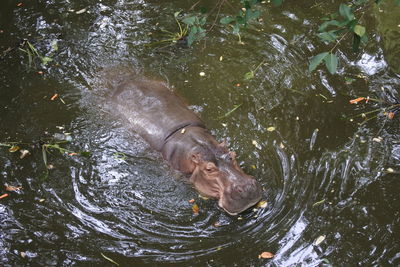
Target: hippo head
(217,174)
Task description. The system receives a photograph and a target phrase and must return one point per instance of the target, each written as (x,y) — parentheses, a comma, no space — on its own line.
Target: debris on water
(183,131)
(221,58)
(23,254)
(240,218)
(355,101)
(204,197)
(390,170)
(202,74)
(235,107)
(3,196)
(390,115)
(191,201)
(262,204)
(11,188)
(54,97)
(24,153)
(253,166)
(271,129)
(377,139)
(281,145)
(42,200)
(109,259)
(217,224)
(319,240)
(266,255)
(318,202)
(256,144)
(195,209)
(13,149)
(83,10)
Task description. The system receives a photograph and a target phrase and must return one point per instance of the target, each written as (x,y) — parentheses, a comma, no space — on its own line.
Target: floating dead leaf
(13,149)
(281,145)
(256,144)
(195,209)
(319,202)
(191,201)
(390,115)
(3,196)
(319,240)
(202,74)
(42,200)
(217,224)
(240,218)
(40,72)
(11,188)
(24,153)
(221,58)
(262,204)
(19,4)
(183,131)
(83,10)
(355,101)
(237,85)
(390,170)
(23,254)
(266,255)
(109,259)
(253,167)
(271,129)
(377,139)
(54,97)
(73,154)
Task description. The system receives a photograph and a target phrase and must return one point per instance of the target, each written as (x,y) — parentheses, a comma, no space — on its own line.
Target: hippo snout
(240,196)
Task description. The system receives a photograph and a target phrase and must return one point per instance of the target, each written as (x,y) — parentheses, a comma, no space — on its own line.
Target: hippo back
(152,109)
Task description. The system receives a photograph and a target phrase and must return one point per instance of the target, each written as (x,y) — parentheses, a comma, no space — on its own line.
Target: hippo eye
(210,167)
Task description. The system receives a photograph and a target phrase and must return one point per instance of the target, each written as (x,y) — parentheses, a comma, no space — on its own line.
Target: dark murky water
(134,209)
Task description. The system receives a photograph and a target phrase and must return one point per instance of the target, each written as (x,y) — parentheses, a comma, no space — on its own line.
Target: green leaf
(276,2)
(176,14)
(250,15)
(345,12)
(328,36)
(46,60)
(349,80)
(249,75)
(203,21)
(331,63)
(325,25)
(226,20)
(189,20)
(315,61)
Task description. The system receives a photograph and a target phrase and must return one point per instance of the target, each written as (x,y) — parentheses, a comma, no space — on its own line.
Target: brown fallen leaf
(390,115)
(217,224)
(13,149)
(3,196)
(73,154)
(195,209)
(191,201)
(54,97)
(266,255)
(11,188)
(355,101)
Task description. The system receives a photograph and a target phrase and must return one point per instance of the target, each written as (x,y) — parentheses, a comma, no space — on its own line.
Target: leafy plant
(246,14)
(28,48)
(195,24)
(339,25)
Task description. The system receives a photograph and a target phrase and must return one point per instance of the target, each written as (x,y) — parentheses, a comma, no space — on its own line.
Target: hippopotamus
(163,119)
